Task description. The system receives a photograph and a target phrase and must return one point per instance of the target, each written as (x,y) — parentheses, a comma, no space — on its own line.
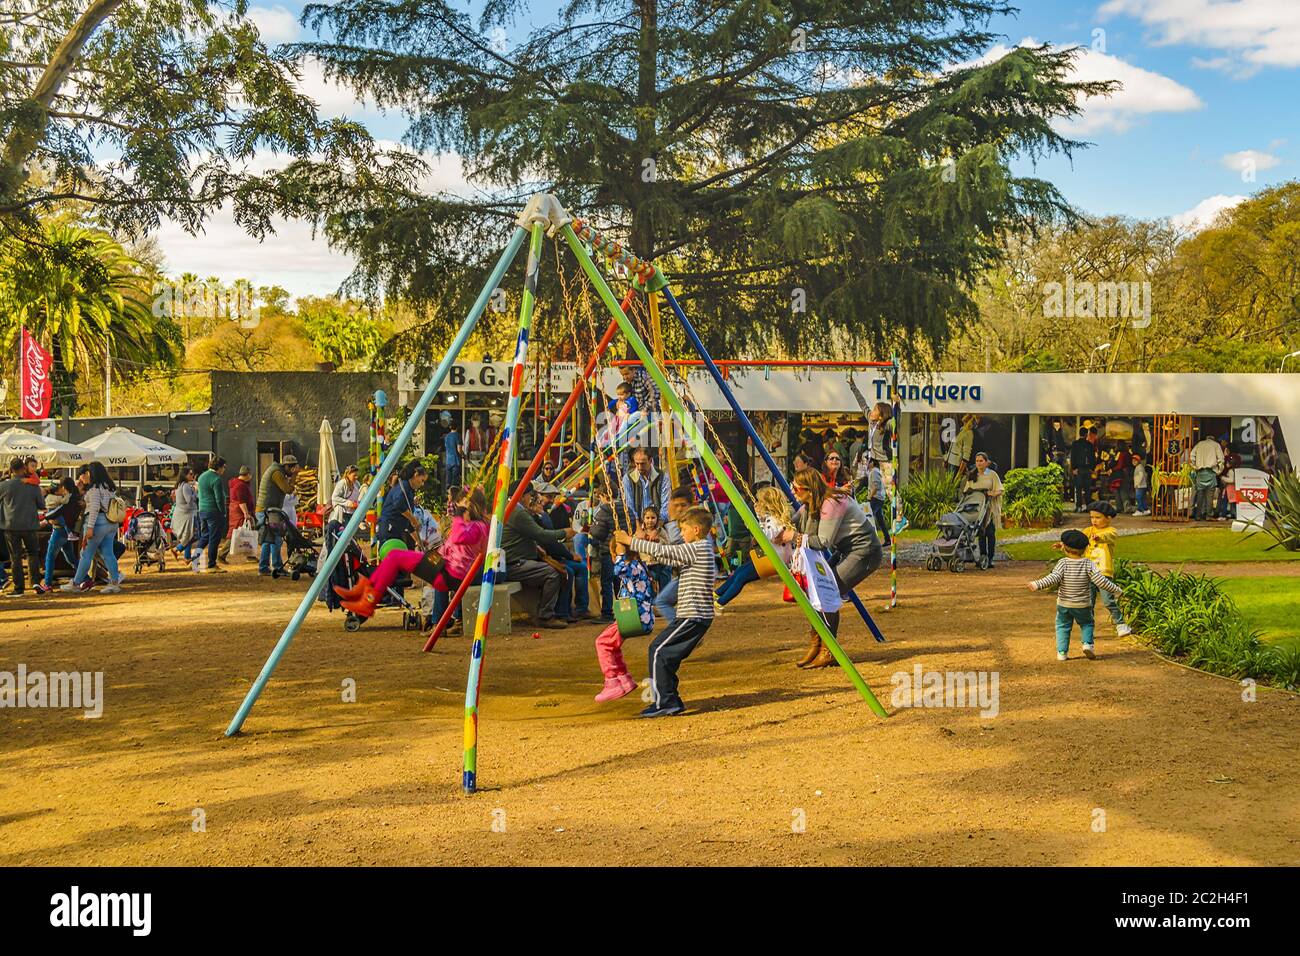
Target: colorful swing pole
(656,282)
(777,475)
(895,498)
(533,468)
(326,569)
(494,565)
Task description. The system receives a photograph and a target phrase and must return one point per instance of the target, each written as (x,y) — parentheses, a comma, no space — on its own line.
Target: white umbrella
(121,448)
(328,466)
(50,452)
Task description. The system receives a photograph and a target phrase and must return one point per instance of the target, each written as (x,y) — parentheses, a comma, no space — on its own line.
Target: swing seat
(762,565)
(628,618)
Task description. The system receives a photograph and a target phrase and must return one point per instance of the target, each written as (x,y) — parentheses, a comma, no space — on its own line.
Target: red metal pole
(535,466)
(760,363)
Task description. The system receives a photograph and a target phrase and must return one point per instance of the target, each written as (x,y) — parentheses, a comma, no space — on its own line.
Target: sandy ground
(1122,760)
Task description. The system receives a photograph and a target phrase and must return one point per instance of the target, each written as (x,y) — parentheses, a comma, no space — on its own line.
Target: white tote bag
(823,589)
(243,542)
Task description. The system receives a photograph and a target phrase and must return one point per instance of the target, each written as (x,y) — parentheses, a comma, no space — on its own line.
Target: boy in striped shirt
(1074,577)
(695,559)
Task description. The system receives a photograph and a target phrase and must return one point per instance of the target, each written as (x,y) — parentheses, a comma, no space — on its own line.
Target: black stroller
(352,565)
(300,553)
(147,537)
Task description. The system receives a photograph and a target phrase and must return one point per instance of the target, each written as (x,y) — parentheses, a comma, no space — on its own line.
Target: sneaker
(900,525)
(1088,652)
(214,569)
(553,623)
(1061,655)
(616,687)
(666,710)
(1123,630)
(264,573)
(44,588)
(112,589)
(81,588)
(606,620)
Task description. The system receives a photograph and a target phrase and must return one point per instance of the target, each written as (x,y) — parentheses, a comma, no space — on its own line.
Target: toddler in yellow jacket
(1101,552)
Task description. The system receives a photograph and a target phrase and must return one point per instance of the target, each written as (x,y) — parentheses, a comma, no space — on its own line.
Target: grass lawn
(1185,544)
(1268,604)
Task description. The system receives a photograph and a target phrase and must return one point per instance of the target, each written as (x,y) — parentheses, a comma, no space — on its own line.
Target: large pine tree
(845,157)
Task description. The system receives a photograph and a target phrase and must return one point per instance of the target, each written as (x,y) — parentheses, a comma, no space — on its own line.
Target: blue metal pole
(746,424)
(326,569)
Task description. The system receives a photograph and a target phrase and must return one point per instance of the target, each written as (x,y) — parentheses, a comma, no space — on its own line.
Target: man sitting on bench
(521,539)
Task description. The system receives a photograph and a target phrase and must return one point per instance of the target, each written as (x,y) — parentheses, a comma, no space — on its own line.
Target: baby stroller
(148,538)
(300,553)
(352,565)
(958,541)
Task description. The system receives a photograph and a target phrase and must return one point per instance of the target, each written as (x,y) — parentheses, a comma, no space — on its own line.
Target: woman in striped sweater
(835,523)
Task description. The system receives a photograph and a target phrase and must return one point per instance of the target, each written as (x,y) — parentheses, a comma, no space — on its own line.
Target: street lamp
(1291,355)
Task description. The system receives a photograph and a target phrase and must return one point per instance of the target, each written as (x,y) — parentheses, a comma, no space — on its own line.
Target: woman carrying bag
(185,510)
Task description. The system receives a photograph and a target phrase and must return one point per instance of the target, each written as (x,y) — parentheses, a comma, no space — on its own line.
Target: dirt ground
(1121,760)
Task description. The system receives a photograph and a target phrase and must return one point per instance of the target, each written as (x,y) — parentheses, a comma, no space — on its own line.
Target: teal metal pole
(326,569)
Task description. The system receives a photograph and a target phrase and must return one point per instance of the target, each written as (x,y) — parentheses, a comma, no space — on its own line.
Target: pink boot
(616,687)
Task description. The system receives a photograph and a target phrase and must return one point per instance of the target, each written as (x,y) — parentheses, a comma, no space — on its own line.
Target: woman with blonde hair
(831,521)
(773,511)
(959,452)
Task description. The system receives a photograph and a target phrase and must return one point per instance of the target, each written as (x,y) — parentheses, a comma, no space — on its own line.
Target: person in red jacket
(241,508)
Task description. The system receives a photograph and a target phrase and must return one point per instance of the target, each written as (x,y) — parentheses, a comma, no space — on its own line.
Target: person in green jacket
(521,539)
(212,512)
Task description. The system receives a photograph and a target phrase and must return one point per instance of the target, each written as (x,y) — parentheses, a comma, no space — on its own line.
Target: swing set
(544,215)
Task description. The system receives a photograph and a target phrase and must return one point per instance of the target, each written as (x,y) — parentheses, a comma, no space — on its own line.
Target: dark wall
(188,431)
(252,407)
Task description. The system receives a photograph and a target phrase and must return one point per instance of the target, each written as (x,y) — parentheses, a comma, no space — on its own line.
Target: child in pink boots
(634,583)
(362,598)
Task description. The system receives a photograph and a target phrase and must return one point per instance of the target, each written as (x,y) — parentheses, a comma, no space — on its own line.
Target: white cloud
(275,24)
(1204,212)
(1249,159)
(1141,94)
(333,100)
(292,257)
(1254,33)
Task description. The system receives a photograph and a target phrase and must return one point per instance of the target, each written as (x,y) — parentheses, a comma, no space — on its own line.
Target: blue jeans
(731,587)
(579,579)
(607,581)
(1066,618)
(58,542)
(1141,494)
(666,602)
(212,528)
(270,559)
(1110,602)
(101,543)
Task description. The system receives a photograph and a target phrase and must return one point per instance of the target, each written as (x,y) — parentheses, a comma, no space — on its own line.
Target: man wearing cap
(277,481)
(241,508)
(521,540)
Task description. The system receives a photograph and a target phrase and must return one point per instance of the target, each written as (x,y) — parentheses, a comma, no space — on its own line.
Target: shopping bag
(243,542)
(820,585)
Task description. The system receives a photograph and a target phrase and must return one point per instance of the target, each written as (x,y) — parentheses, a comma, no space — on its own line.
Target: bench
(499,622)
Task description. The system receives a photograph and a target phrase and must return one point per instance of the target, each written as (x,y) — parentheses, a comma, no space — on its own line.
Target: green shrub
(1027,482)
(928,496)
(1190,618)
(1036,508)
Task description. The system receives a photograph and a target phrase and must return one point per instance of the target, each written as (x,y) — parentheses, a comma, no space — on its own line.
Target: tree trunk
(29,130)
(646,174)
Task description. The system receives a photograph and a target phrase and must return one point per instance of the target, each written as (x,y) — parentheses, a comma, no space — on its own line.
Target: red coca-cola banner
(36,387)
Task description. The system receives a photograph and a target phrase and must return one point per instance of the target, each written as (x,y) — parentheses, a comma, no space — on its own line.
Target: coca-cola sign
(34,396)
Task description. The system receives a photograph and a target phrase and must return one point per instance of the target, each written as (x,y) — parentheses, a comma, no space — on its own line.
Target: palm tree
(82,296)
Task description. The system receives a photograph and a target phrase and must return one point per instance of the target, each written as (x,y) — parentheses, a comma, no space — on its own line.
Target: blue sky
(1210,113)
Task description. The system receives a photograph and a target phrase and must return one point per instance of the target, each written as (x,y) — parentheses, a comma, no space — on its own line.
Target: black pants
(667,651)
(542,576)
(18,542)
(988,541)
(1082,489)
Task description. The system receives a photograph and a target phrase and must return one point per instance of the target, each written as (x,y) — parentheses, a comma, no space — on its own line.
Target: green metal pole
(715,466)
